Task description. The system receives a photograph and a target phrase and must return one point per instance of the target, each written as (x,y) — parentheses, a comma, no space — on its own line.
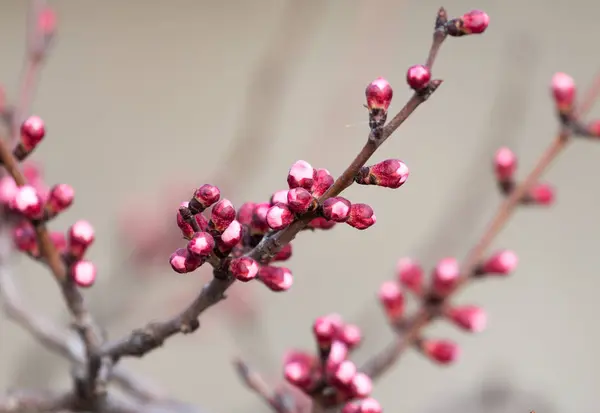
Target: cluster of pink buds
(445,278)
(505,167)
(331,369)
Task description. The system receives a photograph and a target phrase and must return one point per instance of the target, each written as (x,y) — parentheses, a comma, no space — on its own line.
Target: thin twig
(258,385)
(383,360)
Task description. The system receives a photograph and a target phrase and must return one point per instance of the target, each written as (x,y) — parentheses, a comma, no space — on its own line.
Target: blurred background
(146,100)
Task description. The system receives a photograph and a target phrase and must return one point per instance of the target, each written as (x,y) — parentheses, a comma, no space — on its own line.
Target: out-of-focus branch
(35,401)
(255,382)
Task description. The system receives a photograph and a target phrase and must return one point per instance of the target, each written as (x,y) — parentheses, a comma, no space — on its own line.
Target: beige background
(139,93)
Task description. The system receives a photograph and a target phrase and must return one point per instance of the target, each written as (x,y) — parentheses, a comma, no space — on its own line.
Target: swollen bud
(473,22)
(418,77)
(440,351)
(83,273)
(469,317)
(276,278)
(563,91)
(501,263)
(391,173)
(301,175)
(361,216)
(379,94)
(244,268)
(445,276)
(336,209)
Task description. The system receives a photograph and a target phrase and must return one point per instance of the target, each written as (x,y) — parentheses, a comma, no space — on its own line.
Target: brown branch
(254,381)
(141,341)
(383,360)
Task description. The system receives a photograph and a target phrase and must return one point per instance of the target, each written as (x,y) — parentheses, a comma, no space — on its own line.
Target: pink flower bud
(361,216)
(501,263)
(541,194)
(276,278)
(280,197)
(201,244)
(243,268)
(244,214)
(370,406)
(469,317)
(301,175)
(445,276)
(183,262)
(418,77)
(284,253)
(361,385)
(83,273)
(299,200)
(186,229)
(338,352)
(298,374)
(59,240)
(440,351)
(563,90)
(205,196)
(323,181)
(391,173)
(60,198)
(505,164)
(81,235)
(33,131)
(28,202)
(230,237)
(279,216)
(343,374)
(410,274)
(222,214)
(8,190)
(392,300)
(321,223)
(351,407)
(25,239)
(259,218)
(350,335)
(324,331)
(336,209)
(379,94)
(475,22)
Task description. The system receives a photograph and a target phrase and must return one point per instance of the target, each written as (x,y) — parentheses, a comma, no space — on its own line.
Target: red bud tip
(222,215)
(469,317)
(280,197)
(410,274)
(81,236)
(28,202)
(336,209)
(83,273)
(391,173)
(343,374)
(505,164)
(392,300)
(445,276)
(323,180)
(542,194)
(60,198)
(337,354)
(440,351)
(244,268)
(475,22)
(379,94)
(301,175)
(501,263)
(563,90)
(231,236)
(361,385)
(298,374)
(201,244)
(33,131)
(350,335)
(299,200)
(279,216)
(207,195)
(324,331)
(276,278)
(418,77)
(361,216)
(183,262)
(370,406)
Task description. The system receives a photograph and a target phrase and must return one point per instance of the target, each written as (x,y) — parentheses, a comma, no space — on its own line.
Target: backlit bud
(410,275)
(244,268)
(445,276)
(60,198)
(505,164)
(468,317)
(361,216)
(391,173)
(361,385)
(418,77)
(276,278)
(350,335)
(324,331)
(279,216)
(563,91)
(28,202)
(81,236)
(301,175)
(343,374)
(440,351)
(336,209)
(33,131)
(222,215)
(379,94)
(201,244)
(298,374)
(392,300)
(83,273)
(501,263)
